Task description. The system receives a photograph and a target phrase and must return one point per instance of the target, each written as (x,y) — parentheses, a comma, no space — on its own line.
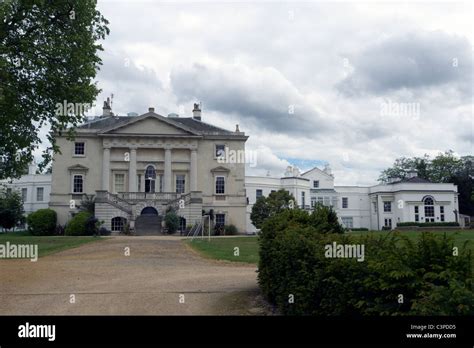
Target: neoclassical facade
(138,166)
(374,207)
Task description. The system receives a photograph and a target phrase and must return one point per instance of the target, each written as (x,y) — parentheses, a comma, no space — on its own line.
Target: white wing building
(374,207)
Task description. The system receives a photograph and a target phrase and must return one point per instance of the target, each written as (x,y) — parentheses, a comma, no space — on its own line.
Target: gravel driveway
(159,275)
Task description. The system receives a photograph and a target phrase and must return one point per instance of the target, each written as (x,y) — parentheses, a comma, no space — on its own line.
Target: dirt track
(151,281)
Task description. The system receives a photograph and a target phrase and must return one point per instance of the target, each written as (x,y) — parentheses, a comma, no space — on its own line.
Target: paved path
(150,281)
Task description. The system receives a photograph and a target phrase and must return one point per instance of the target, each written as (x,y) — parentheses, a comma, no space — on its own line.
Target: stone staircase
(130,204)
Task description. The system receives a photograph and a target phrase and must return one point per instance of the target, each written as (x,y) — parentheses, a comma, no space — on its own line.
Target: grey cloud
(411,61)
(263,98)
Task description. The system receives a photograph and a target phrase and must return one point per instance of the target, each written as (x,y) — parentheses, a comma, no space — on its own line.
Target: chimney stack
(413,173)
(151,109)
(107,109)
(197,112)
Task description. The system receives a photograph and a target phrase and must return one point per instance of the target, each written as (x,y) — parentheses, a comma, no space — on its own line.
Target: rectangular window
(119,183)
(139,182)
(220,185)
(387,207)
(24,194)
(161,182)
(180,183)
(388,223)
(417,217)
(441,211)
(220,219)
(429,211)
(39,194)
(315,183)
(416,209)
(313,201)
(303,199)
(333,201)
(320,200)
(220,150)
(78,184)
(258,193)
(347,221)
(345,202)
(79,148)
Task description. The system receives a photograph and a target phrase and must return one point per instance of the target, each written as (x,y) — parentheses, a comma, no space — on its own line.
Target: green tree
(265,207)
(325,220)
(171,221)
(48,58)
(11,209)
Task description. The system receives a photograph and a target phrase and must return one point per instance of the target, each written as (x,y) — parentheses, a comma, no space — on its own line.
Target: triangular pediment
(149,124)
(220,169)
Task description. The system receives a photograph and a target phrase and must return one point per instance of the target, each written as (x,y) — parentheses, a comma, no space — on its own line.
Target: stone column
(167,174)
(106,169)
(132,171)
(193,179)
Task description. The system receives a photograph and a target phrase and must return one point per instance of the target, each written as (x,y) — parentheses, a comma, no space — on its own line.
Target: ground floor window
(417,215)
(347,221)
(441,212)
(220,219)
(118,223)
(388,223)
(182,224)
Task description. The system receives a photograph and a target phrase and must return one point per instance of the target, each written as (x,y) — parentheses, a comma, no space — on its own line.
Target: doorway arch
(149,211)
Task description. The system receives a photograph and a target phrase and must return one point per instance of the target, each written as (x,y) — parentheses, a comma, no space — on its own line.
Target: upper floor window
(24,193)
(79,148)
(39,194)
(259,193)
(78,184)
(387,207)
(220,185)
(220,150)
(345,202)
(180,183)
(315,183)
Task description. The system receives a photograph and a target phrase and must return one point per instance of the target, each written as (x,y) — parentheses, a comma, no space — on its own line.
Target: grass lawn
(222,248)
(46,244)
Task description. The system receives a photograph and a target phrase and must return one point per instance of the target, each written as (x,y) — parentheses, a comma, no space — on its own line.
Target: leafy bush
(42,222)
(230,230)
(171,222)
(293,265)
(92,227)
(77,225)
(426,224)
(104,232)
(325,219)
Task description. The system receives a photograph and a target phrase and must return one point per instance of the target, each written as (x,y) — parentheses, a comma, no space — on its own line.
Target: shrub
(42,222)
(293,264)
(104,232)
(426,224)
(325,219)
(77,225)
(91,228)
(171,222)
(230,230)
(357,229)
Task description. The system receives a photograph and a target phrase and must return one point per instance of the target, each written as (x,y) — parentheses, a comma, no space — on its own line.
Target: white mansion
(384,205)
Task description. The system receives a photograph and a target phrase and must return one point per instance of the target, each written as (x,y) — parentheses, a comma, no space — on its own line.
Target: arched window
(429,209)
(150,178)
(118,223)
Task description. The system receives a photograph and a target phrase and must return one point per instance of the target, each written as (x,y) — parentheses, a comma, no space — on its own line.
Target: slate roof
(197,126)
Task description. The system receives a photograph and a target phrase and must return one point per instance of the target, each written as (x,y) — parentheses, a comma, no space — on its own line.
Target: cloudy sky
(355,85)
